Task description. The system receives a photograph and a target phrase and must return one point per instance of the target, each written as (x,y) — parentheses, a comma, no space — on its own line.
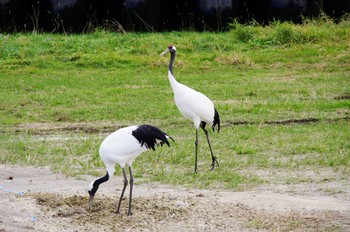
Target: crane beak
(165,52)
(91,198)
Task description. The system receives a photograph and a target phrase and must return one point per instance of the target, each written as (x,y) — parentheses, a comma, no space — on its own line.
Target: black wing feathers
(150,136)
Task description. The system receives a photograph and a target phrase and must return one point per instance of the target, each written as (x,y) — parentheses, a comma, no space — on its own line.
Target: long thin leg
(131,187)
(121,196)
(195,159)
(213,158)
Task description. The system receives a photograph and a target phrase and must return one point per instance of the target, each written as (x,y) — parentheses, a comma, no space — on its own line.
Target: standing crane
(122,147)
(193,105)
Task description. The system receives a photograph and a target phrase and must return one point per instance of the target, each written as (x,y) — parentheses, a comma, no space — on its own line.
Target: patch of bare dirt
(46,128)
(35,199)
(288,121)
(342,97)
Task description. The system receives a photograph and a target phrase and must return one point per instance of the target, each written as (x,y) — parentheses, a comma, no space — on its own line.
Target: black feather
(216,120)
(148,135)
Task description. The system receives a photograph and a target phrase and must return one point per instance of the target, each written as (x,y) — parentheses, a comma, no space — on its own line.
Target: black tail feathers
(216,121)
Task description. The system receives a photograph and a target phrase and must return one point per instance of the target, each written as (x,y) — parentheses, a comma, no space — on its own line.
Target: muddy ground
(36,199)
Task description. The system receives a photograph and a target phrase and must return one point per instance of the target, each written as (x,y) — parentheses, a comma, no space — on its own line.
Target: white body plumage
(120,147)
(192,104)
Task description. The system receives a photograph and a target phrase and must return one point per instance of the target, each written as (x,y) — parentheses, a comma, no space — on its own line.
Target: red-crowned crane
(193,105)
(122,147)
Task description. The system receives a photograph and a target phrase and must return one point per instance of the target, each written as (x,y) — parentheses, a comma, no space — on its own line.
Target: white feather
(192,104)
(120,147)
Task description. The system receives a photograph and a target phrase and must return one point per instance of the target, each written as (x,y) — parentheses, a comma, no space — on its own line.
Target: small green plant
(285,34)
(243,33)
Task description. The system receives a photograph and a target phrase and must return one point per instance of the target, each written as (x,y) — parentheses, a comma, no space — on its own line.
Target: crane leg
(121,196)
(131,187)
(195,158)
(213,158)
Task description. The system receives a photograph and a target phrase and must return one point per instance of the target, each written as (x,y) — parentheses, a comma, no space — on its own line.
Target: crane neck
(172,80)
(172,58)
(96,183)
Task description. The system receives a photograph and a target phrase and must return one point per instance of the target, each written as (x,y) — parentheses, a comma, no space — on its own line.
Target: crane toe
(214,160)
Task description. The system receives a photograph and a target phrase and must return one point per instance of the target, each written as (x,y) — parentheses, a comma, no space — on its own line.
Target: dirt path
(35,199)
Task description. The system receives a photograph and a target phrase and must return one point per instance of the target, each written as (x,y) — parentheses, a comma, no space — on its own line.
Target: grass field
(282,92)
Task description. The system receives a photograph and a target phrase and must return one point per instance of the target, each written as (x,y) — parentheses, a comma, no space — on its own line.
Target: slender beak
(91,198)
(165,52)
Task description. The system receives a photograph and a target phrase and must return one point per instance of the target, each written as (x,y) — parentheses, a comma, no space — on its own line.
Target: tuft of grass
(285,33)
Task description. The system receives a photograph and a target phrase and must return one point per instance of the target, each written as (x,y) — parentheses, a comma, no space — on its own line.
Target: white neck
(172,80)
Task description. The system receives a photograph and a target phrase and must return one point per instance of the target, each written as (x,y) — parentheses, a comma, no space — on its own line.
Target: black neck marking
(97,183)
(172,58)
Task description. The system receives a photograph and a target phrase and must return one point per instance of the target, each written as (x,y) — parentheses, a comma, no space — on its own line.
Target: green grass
(282,92)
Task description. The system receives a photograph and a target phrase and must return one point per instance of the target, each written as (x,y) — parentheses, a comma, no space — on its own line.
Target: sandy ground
(36,199)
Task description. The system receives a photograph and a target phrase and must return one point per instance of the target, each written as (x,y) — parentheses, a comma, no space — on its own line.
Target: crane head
(170,49)
(92,190)
(93,187)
